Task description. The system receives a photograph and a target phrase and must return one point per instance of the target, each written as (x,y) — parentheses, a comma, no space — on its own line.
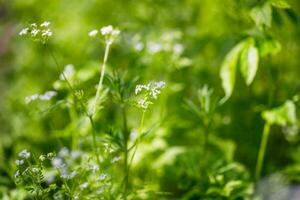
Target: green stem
(126,138)
(138,139)
(99,87)
(262,150)
(94,139)
(67,81)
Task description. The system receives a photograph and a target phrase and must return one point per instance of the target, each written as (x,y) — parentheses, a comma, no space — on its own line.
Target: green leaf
(249,61)
(282,116)
(269,47)
(262,15)
(282,4)
(228,70)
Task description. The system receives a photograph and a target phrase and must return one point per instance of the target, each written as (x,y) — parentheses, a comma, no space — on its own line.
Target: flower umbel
(149,93)
(109,32)
(40,33)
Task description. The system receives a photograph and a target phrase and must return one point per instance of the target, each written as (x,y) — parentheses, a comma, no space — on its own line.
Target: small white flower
(94,168)
(33,25)
(106,30)
(93,33)
(31,98)
(69,176)
(63,152)
(48,95)
(139,46)
(178,48)
(75,154)
(115,159)
(46,33)
(57,162)
(24,31)
(45,24)
(84,185)
(115,32)
(19,162)
(24,154)
(34,32)
(154,47)
(103,176)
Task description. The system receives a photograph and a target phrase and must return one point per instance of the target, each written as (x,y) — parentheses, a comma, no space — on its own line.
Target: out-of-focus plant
(284,116)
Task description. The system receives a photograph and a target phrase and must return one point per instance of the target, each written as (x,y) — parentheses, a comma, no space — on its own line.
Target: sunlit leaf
(282,115)
(249,61)
(280,4)
(262,15)
(228,70)
(269,47)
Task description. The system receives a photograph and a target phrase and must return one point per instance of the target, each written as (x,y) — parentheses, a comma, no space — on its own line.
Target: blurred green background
(182,42)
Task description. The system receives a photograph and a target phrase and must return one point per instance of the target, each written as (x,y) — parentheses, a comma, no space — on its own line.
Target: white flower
(93,33)
(106,30)
(84,185)
(48,95)
(102,177)
(45,24)
(115,159)
(31,98)
(24,31)
(115,32)
(150,93)
(34,32)
(178,48)
(94,168)
(46,33)
(75,154)
(154,47)
(24,154)
(139,46)
(19,162)
(57,162)
(69,176)
(64,152)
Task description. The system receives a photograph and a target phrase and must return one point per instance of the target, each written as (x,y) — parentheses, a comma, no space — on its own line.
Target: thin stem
(99,87)
(67,81)
(138,139)
(94,139)
(126,138)
(262,150)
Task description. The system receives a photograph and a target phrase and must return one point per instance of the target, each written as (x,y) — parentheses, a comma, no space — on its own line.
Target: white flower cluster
(23,155)
(43,97)
(64,160)
(109,32)
(150,92)
(37,32)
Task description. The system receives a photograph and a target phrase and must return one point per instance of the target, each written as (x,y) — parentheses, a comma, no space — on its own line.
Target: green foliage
(282,116)
(137,111)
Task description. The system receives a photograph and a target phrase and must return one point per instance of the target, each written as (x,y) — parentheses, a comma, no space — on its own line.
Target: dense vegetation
(165,99)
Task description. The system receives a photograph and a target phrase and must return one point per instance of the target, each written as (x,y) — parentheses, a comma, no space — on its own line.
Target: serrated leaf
(249,62)
(228,70)
(282,4)
(262,15)
(282,115)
